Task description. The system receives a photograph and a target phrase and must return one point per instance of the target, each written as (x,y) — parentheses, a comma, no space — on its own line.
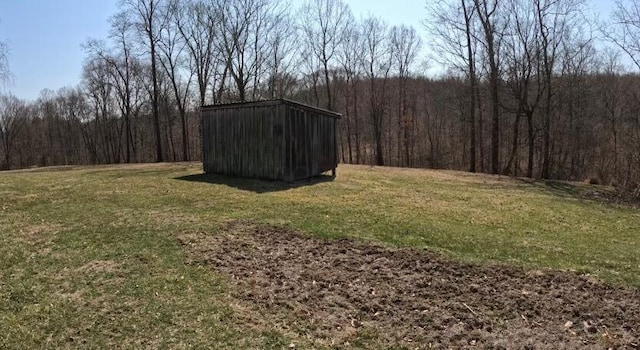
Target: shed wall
(311,145)
(273,141)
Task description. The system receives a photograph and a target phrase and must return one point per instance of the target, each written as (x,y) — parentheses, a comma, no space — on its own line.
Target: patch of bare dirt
(173,216)
(99,266)
(40,234)
(345,292)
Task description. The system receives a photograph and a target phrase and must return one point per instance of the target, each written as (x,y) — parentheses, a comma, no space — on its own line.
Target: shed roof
(273,103)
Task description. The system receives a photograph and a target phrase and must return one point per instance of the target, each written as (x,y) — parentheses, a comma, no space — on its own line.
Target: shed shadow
(554,187)
(254,185)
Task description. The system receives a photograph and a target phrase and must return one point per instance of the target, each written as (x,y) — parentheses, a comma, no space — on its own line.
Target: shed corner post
(335,147)
(202,143)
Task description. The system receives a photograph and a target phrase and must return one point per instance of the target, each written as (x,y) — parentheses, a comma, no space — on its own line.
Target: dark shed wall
(276,140)
(243,141)
(311,146)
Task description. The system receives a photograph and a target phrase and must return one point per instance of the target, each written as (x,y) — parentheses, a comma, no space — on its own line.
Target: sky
(45,36)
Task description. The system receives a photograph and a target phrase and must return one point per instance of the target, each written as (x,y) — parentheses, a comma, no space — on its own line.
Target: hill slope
(95,256)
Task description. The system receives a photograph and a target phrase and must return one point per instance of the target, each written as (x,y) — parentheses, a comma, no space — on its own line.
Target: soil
(349,293)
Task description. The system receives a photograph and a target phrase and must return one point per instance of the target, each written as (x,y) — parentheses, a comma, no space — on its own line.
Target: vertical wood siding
(277,141)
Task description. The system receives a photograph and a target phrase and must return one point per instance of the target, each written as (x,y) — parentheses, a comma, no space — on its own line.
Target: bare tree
(468,13)
(376,63)
(350,57)
(489,15)
(100,92)
(324,25)
(148,19)
(311,76)
(79,115)
(523,64)
(283,54)
(556,18)
(197,22)
(405,45)
(172,48)
(5,73)
(121,66)
(624,28)
(245,28)
(12,120)
(611,95)
(453,26)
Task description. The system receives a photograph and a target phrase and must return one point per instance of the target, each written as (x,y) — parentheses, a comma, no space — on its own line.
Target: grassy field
(90,255)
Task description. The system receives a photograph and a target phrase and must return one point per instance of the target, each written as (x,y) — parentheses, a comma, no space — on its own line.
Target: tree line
(534,88)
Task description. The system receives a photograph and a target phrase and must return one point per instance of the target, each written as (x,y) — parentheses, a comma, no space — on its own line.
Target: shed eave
(317,109)
(272,103)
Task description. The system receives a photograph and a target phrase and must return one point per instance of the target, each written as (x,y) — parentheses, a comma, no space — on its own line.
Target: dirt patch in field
(99,266)
(351,293)
(40,234)
(172,216)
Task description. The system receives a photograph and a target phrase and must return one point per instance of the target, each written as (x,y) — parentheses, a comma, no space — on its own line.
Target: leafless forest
(537,88)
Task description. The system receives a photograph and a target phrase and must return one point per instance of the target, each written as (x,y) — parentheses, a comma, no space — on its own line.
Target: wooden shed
(277,140)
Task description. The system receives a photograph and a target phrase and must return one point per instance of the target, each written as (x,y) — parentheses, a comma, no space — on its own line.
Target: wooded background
(536,88)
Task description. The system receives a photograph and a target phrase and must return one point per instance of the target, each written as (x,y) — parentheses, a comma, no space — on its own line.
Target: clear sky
(45,36)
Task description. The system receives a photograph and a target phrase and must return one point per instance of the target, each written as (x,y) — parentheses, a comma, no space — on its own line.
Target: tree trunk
(156,114)
(514,145)
(472,91)
(531,142)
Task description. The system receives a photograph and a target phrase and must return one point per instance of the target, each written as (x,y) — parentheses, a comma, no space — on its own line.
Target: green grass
(90,256)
